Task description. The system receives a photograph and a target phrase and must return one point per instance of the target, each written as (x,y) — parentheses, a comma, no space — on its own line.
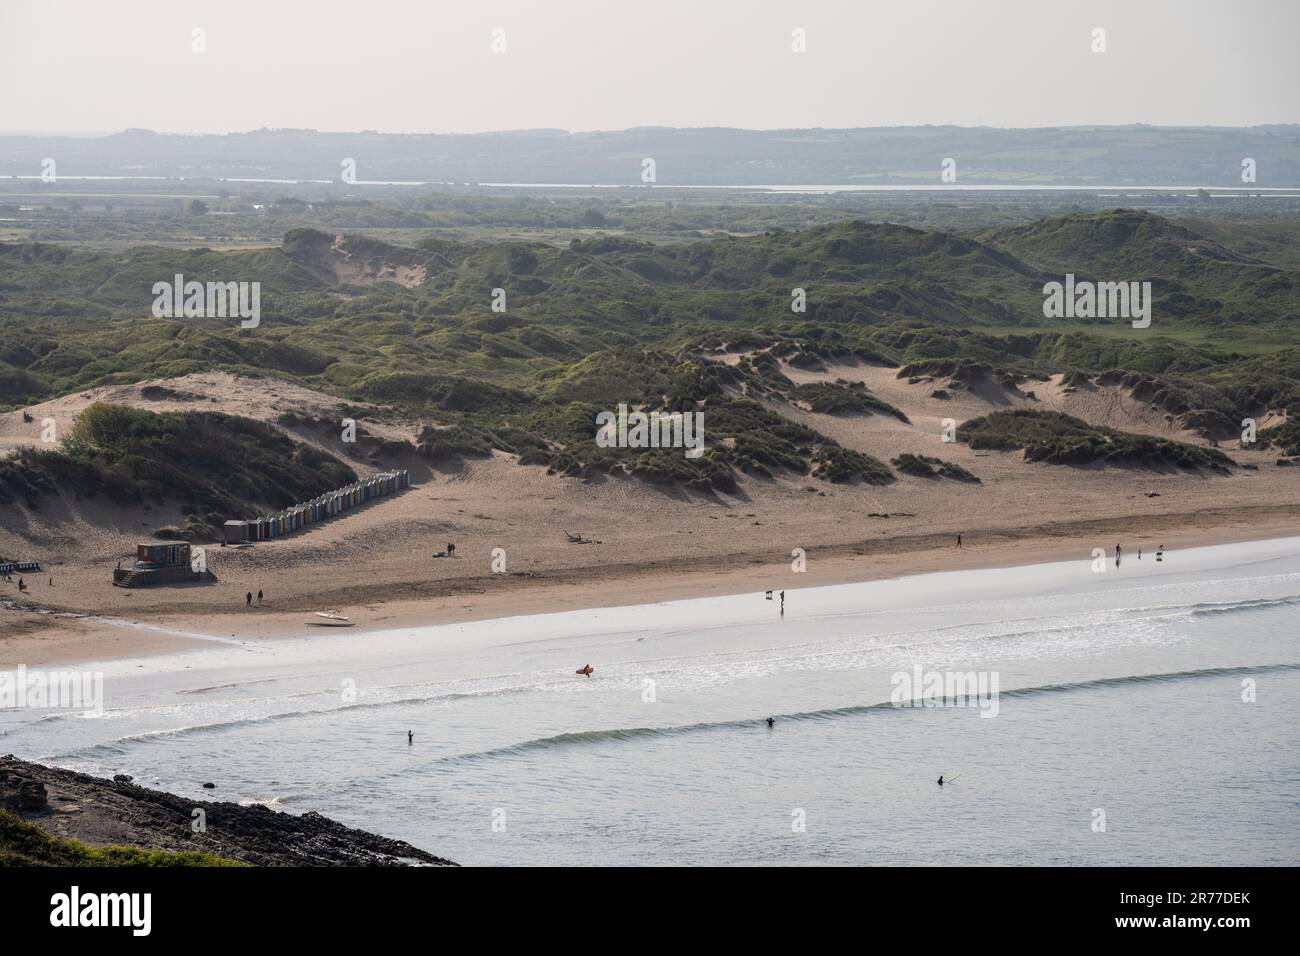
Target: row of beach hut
(306,513)
(17,567)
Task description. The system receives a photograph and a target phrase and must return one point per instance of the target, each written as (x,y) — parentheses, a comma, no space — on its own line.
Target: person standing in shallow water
(410,737)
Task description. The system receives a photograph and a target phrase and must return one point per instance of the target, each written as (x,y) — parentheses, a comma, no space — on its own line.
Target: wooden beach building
(158,562)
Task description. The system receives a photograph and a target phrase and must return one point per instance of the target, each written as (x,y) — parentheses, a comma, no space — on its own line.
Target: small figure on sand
(1160,553)
(248,599)
(410,737)
(451,550)
(51,580)
(1139,554)
(1117,555)
(585,670)
(771,721)
(959,539)
(21,585)
(259,597)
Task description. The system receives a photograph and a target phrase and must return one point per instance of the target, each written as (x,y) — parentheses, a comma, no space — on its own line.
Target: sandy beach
(646,542)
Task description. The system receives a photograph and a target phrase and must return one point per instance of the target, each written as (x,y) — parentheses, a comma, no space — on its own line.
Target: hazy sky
(428,66)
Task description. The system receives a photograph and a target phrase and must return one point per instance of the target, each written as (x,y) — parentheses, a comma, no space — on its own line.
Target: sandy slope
(264,399)
(376,563)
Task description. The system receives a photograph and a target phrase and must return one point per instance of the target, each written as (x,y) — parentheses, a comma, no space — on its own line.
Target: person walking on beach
(21,585)
(959,539)
(259,597)
(248,599)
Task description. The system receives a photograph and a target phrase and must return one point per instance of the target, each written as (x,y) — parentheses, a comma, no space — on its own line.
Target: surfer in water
(585,670)
(410,737)
(771,721)
(941,780)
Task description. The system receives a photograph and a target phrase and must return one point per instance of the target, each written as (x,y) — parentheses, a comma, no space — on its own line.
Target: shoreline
(58,636)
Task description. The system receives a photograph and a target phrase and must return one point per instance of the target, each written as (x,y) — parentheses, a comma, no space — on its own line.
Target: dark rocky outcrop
(103,812)
(20,793)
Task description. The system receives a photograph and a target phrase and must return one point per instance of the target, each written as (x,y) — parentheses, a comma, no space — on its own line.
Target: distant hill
(1085,156)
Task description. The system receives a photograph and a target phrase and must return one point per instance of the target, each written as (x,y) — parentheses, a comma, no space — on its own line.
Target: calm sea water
(1120,704)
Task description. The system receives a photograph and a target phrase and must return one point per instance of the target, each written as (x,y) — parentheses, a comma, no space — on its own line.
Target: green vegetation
(706,326)
(1285,437)
(25,844)
(216,466)
(1059,439)
(923,466)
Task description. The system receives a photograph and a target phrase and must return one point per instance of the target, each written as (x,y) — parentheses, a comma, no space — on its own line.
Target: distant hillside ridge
(902,155)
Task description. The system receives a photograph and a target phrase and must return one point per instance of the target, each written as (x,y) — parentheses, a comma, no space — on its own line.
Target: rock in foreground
(102,812)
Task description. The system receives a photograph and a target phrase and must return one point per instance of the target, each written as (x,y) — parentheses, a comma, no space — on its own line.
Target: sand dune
(263,399)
